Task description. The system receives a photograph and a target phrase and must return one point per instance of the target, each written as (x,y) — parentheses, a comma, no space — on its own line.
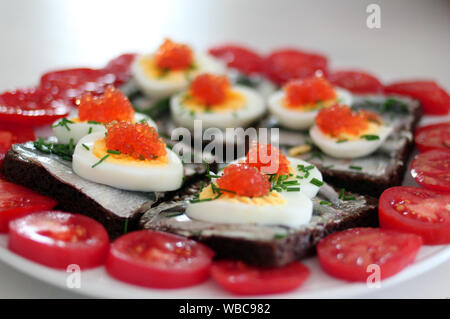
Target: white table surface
(413,42)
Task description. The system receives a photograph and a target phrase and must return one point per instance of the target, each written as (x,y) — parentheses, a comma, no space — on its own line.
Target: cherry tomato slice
(11,134)
(357,82)
(283,65)
(431,169)
(158,260)
(433,98)
(242,279)
(58,239)
(430,137)
(416,210)
(30,107)
(70,84)
(348,254)
(120,67)
(238,57)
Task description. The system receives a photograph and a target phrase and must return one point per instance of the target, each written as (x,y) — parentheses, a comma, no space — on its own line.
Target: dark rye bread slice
(378,171)
(264,246)
(46,174)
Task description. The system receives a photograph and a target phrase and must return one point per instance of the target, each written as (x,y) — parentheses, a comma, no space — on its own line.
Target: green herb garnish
(341,193)
(65,151)
(125,226)
(342,141)
(100,161)
(370,137)
(316,182)
(90,130)
(349,197)
(325,202)
(359,168)
(94,122)
(279,236)
(113,152)
(63,122)
(85,146)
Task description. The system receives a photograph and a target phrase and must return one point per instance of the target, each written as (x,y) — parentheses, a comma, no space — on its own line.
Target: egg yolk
(243,180)
(139,141)
(340,121)
(309,93)
(268,159)
(173,56)
(113,105)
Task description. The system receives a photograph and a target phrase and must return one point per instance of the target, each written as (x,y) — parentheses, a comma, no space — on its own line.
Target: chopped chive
(341,193)
(288,183)
(100,161)
(174,214)
(349,197)
(113,152)
(125,226)
(342,141)
(85,146)
(370,137)
(325,202)
(94,122)
(90,130)
(316,182)
(200,200)
(293,189)
(355,167)
(279,236)
(191,113)
(63,122)
(310,167)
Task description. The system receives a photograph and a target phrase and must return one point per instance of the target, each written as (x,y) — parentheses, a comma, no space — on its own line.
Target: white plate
(97,283)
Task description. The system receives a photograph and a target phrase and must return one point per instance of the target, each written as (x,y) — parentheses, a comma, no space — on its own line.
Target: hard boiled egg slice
(301,118)
(72,128)
(161,82)
(124,172)
(242,107)
(307,175)
(291,210)
(343,133)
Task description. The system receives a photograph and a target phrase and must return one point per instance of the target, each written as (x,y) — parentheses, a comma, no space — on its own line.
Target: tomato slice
(358,82)
(242,279)
(283,65)
(5,144)
(11,134)
(58,239)
(433,98)
(70,84)
(17,201)
(239,57)
(431,169)
(30,107)
(416,210)
(348,254)
(120,67)
(158,260)
(430,137)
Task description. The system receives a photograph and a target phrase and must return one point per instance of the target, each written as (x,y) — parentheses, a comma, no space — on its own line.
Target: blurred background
(38,35)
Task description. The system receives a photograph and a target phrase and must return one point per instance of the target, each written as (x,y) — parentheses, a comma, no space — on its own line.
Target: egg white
(160,88)
(156,178)
(78,130)
(254,108)
(349,149)
(298,119)
(296,211)
(310,190)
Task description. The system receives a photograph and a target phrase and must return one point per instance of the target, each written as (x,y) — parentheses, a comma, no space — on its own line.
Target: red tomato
(58,239)
(241,58)
(11,134)
(349,253)
(283,65)
(357,82)
(416,210)
(243,279)
(158,260)
(433,98)
(31,107)
(431,169)
(70,84)
(430,137)
(17,201)
(121,68)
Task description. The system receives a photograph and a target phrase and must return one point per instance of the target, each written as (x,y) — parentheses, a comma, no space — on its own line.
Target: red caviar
(267,159)
(244,180)
(173,56)
(308,91)
(210,89)
(138,140)
(111,106)
(338,120)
